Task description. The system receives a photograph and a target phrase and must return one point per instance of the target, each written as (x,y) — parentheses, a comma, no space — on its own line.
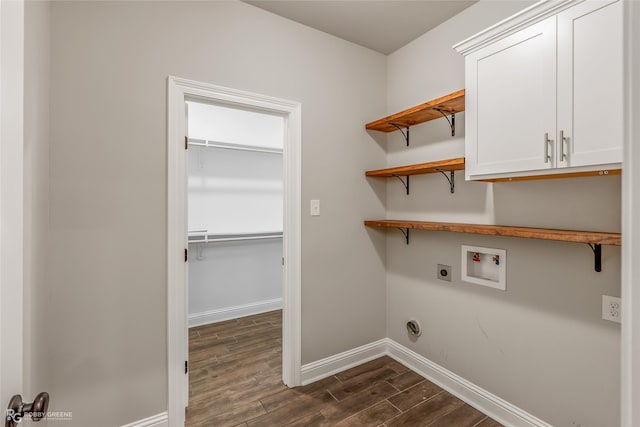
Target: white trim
(179,90)
(177,351)
(331,365)
(227,313)
(486,402)
(292,247)
(11,197)
(630,329)
(160,420)
(525,18)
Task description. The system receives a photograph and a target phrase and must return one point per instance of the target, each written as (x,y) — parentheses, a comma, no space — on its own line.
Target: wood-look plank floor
(235,380)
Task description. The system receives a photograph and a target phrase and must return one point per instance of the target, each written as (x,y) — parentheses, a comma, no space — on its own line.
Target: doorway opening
(235,224)
(197,95)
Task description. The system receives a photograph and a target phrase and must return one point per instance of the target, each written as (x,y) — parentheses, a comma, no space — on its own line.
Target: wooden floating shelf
(452,103)
(589,237)
(421,168)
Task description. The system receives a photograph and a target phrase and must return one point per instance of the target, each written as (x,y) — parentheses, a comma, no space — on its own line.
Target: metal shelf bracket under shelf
(597,255)
(404,182)
(405,233)
(451,178)
(452,122)
(404,134)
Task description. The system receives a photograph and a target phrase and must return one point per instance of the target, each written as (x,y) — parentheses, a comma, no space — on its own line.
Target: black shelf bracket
(452,122)
(405,233)
(405,183)
(405,134)
(597,254)
(451,178)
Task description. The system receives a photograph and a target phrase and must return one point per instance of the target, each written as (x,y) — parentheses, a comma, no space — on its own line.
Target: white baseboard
(490,404)
(160,420)
(328,366)
(227,313)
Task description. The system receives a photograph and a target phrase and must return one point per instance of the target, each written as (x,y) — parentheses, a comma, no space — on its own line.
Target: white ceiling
(381,25)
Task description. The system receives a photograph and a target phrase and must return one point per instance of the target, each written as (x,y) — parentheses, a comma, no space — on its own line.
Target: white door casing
(177,344)
(11,198)
(630,331)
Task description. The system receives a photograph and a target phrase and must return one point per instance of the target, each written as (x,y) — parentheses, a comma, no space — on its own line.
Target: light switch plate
(315,207)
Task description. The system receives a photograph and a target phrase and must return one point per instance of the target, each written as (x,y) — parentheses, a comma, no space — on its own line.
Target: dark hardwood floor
(235,380)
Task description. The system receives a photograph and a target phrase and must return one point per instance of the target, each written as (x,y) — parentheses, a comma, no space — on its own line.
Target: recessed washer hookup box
(484,266)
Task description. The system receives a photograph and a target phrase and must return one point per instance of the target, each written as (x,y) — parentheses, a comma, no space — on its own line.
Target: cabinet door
(590,83)
(511,103)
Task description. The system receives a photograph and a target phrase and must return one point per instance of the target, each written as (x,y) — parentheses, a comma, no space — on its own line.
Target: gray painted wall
(106,313)
(540,345)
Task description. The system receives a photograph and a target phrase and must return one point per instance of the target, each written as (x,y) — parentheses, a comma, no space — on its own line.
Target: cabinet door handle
(547,141)
(563,156)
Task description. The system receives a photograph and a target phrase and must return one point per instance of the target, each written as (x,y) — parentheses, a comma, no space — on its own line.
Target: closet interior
(235,212)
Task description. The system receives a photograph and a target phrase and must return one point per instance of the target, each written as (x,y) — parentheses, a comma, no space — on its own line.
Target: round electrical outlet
(413,327)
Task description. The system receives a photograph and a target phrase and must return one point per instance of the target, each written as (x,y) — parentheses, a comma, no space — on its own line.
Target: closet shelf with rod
(203,236)
(231,146)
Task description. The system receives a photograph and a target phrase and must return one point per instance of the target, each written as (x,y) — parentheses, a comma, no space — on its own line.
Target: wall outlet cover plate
(444,272)
(611,308)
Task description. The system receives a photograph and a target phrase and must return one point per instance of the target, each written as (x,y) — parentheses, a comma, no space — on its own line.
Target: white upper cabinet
(590,80)
(544,91)
(511,101)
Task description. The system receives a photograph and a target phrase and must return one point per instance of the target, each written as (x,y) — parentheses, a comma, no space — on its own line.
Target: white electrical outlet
(611,308)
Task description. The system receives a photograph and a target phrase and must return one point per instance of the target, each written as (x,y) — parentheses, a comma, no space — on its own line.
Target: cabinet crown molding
(529,16)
